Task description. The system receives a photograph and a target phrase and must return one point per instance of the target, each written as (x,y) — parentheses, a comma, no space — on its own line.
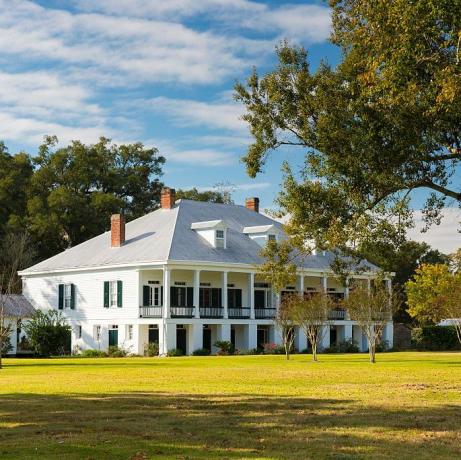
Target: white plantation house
(184,276)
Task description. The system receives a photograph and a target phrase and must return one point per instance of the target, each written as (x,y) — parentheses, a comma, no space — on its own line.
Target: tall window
(78,332)
(67,295)
(113,293)
(97,333)
(220,238)
(129,332)
(210,297)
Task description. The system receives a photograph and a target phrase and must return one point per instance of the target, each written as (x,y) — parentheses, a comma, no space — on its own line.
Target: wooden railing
(150,312)
(211,312)
(182,312)
(238,313)
(265,313)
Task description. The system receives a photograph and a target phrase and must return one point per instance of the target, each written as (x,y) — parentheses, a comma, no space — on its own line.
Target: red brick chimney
(117,230)
(252,203)
(167,197)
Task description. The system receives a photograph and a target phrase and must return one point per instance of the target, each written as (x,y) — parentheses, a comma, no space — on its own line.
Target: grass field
(408,405)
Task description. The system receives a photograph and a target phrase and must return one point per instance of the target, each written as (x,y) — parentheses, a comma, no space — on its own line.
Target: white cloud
(185,112)
(444,237)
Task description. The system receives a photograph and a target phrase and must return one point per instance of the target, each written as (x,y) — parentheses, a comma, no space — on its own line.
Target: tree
(434,294)
(285,323)
(211,196)
(76,188)
(372,309)
(385,122)
(311,315)
(15,254)
(48,333)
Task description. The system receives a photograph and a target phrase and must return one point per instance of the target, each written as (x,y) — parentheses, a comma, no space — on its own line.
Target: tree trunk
(314,352)
(372,351)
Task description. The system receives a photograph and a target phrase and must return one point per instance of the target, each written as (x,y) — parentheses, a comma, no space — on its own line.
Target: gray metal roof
(16,306)
(166,235)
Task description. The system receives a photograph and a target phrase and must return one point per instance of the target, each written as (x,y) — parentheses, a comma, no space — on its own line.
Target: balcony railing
(182,312)
(238,313)
(211,312)
(265,313)
(150,312)
(337,314)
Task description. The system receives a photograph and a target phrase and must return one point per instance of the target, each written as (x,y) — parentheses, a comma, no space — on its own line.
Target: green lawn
(408,405)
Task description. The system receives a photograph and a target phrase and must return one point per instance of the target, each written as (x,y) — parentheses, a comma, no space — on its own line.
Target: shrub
(251,351)
(382,346)
(6,346)
(225,347)
(93,354)
(273,349)
(116,352)
(175,352)
(435,338)
(201,352)
(48,333)
(151,349)
(346,346)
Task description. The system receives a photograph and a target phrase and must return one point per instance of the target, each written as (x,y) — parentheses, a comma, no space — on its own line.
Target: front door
(181,339)
(113,337)
(262,337)
(207,338)
(153,335)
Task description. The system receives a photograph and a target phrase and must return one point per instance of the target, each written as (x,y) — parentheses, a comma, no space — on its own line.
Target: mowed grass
(407,405)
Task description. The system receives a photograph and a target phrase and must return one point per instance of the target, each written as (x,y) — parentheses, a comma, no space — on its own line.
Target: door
(333,336)
(181,339)
(261,337)
(260,298)
(153,335)
(233,336)
(113,337)
(207,338)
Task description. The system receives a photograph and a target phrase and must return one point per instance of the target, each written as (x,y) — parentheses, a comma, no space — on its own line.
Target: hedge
(435,338)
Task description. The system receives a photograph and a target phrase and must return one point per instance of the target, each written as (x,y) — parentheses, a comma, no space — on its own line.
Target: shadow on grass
(151,425)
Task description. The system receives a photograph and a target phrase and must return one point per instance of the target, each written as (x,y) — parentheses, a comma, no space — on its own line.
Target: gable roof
(17,306)
(166,235)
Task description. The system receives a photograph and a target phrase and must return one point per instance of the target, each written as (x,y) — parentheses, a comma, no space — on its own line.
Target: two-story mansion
(184,276)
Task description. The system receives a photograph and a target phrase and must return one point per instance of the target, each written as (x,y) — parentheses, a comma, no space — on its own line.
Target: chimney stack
(117,230)
(252,203)
(167,197)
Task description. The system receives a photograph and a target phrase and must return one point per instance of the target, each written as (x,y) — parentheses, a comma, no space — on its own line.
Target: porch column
(358,338)
(346,289)
(195,337)
(300,286)
(251,336)
(347,332)
(166,292)
(325,343)
(300,340)
(251,294)
(224,294)
(223,332)
(167,337)
(197,293)
(325,283)
(388,334)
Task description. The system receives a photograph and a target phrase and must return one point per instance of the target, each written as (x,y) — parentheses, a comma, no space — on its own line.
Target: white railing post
(224,295)
(166,292)
(251,294)
(197,293)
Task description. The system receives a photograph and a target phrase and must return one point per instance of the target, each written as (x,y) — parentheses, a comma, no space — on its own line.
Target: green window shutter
(174,296)
(119,293)
(190,297)
(145,296)
(238,298)
(61,297)
(72,296)
(106,294)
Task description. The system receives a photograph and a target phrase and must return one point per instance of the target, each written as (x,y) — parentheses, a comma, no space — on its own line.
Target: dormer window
(213,231)
(271,238)
(261,234)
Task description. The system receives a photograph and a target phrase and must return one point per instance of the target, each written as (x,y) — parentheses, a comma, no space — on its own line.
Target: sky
(159,72)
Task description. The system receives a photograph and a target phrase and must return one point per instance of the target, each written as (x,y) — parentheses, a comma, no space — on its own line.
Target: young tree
(434,294)
(311,315)
(372,309)
(384,122)
(285,323)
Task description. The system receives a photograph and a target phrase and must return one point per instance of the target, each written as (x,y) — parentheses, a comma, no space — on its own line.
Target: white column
(346,289)
(301,284)
(251,294)
(388,334)
(224,294)
(358,338)
(197,293)
(347,332)
(251,336)
(275,335)
(369,284)
(167,337)
(325,283)
(195,337)
(223,332)
(325,337)
(300,340)
(166,292)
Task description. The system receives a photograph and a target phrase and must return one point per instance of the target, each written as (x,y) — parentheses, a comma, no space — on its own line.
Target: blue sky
(156,71)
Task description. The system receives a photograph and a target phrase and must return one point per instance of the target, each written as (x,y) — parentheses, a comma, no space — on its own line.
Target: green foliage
(436,338)
(5,346)
(382,123)
(48,333)
(201,352)
(116,352)
(151,349)
(250,351)
(93,354)
(273,349)
(225,347)
(212,196)
(175,352)
(434,293)
(346,346)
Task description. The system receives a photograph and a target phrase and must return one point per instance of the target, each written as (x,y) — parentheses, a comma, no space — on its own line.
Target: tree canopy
(385,122)
(212,196)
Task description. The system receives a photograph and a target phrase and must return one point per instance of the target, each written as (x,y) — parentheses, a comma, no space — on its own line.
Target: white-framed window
(97,333)
(67,295)
(129,331)
(220,239)
(78,332)
(271,237)
(113,293)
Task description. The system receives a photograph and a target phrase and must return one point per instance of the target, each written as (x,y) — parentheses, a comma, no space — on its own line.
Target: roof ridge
(173,231)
